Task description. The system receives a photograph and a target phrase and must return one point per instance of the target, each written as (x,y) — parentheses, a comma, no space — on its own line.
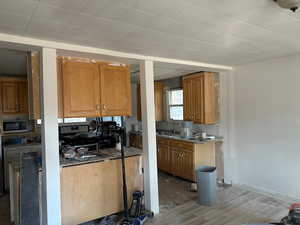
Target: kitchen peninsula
(92,188)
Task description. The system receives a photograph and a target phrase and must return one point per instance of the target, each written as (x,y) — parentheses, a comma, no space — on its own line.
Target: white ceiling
(166,70)
(229,32)
(13,62)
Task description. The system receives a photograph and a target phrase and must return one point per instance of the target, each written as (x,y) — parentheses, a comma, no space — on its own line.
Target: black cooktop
(103,141)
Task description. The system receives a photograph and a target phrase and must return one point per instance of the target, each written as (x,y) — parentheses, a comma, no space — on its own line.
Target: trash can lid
(206,169)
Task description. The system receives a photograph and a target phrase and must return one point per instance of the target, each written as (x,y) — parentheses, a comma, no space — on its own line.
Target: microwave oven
(15,126)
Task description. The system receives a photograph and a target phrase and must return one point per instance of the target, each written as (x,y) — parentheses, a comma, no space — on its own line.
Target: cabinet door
(132,140)
(22,97)
(81,89)
(140,141)
(188,99)
(139,104)
(115,90)
(198,94)
(210,99)
(159,101)
(182,163)
(60,93)
(188,161)
(136,141)
(163,158)
(200,98)
(10,97)
(34,79)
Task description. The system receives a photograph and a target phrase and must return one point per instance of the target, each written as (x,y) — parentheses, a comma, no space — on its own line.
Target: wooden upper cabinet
(139,102)
(158,101)
(210,107)
(115,90)
(81,89)
(188,100)
(60,92)
(22,97)
(200,98)
(34,79)
(9,97)
(92,89)
(14,94)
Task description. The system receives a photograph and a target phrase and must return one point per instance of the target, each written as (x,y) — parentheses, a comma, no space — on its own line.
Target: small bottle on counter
(118,144)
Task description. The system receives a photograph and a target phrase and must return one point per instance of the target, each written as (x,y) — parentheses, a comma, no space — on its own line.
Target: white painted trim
(227,94)
(79,48)
(224,118)
(51,202)
(149,137)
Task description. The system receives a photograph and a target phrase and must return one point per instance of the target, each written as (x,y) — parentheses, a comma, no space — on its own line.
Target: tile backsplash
(177,126)
(197,128)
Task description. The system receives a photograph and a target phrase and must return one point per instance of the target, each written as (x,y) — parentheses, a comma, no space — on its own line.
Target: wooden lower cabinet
(163,158)
(94,190)
(182,163)
(181,158)
(136,140)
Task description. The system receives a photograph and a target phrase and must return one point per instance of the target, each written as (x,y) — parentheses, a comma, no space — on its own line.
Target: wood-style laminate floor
(236,206)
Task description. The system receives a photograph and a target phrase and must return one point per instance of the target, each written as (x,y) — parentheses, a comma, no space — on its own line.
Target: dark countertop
(179,138)
(20,134)
(24,147)
(108,154)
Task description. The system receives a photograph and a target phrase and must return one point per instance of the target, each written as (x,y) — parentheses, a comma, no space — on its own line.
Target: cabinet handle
(157,149)
(104,107)
(98,107)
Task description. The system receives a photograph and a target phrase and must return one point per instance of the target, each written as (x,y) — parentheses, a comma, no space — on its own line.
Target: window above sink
(175,104)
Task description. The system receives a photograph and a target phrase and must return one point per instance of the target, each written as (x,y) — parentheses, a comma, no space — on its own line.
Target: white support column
(149,136)
(50,153)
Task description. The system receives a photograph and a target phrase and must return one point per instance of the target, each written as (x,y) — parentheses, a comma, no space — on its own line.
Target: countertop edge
(69,163)
(217,139)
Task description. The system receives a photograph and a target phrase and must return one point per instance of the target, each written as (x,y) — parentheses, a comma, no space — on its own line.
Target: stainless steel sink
(91,155)
(193,139)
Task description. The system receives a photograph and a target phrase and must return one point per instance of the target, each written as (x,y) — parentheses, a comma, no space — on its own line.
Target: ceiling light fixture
(289,4)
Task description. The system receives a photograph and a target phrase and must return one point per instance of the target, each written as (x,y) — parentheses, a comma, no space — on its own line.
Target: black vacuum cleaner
(293,218)
(136,215)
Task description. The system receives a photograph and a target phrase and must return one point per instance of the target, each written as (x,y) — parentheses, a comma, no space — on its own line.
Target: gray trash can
(207,185)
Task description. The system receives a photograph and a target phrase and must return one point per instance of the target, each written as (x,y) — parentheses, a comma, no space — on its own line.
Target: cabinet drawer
(162,141)
(182,144)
